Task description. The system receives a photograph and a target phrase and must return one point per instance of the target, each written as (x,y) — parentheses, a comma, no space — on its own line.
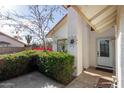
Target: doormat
(106,70)
(103,83)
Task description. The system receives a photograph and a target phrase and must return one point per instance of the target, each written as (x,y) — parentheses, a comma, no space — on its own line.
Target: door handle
(97,53)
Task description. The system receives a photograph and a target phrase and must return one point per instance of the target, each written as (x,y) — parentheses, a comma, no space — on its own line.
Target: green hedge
(13,65)
(57,65)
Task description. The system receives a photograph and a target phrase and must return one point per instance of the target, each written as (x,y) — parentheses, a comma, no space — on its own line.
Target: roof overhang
(12,38)
(57,26)
(99,17)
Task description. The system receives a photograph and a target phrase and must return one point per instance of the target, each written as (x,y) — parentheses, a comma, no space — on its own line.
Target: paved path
(31,80)
(84,81)
(89,79)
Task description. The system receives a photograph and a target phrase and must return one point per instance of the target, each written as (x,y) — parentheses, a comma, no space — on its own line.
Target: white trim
(119,60)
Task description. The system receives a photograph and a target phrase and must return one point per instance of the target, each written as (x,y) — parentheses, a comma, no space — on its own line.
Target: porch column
(77,35)
(120,47)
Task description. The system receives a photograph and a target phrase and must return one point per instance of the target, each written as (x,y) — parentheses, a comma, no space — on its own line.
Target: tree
(37,22)
(28,39)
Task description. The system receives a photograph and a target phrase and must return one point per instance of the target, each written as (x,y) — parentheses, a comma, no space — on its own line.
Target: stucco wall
(93,43)
(86,46)
(73,33)
(9,40)
(78,29)
(62,33)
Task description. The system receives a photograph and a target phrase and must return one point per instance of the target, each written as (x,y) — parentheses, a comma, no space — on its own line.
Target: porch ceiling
(99,17)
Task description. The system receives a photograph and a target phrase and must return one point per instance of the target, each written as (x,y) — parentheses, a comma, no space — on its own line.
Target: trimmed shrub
(13,65)
(57,65)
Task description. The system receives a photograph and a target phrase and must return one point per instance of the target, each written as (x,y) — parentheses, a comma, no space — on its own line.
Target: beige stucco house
(94,34)
(8,41)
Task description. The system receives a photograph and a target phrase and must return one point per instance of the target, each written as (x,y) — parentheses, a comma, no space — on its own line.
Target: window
(104,48)
(62,45)
(4,44)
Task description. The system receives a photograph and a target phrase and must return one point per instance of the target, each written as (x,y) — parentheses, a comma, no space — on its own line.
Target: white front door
(105,53)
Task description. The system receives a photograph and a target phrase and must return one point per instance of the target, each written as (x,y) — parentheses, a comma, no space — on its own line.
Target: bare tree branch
(37,22)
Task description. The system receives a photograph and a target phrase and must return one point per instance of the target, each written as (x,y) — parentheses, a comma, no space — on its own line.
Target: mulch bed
(103,83)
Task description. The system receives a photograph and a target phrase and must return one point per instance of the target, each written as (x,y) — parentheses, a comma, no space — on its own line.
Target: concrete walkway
(89,79)
(31,80)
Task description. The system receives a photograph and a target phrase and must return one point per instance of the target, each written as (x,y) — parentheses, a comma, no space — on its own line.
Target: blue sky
(23,10)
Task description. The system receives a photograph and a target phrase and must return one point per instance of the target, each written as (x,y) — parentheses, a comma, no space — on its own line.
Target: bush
(56,65)
(13,65)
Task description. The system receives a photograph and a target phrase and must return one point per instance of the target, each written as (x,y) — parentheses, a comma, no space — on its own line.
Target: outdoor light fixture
(72,41)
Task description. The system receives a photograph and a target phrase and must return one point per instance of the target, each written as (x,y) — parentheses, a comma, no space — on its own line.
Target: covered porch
(92,78)
(94,32)
(94,29)
(99,19)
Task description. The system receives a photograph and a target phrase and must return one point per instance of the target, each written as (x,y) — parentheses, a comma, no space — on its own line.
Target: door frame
(110,38)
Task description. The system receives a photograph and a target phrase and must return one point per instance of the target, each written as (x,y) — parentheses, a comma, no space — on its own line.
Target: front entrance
(105,53)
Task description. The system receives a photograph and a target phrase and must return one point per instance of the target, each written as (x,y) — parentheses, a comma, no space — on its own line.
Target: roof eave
(13,38)
(48,35)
